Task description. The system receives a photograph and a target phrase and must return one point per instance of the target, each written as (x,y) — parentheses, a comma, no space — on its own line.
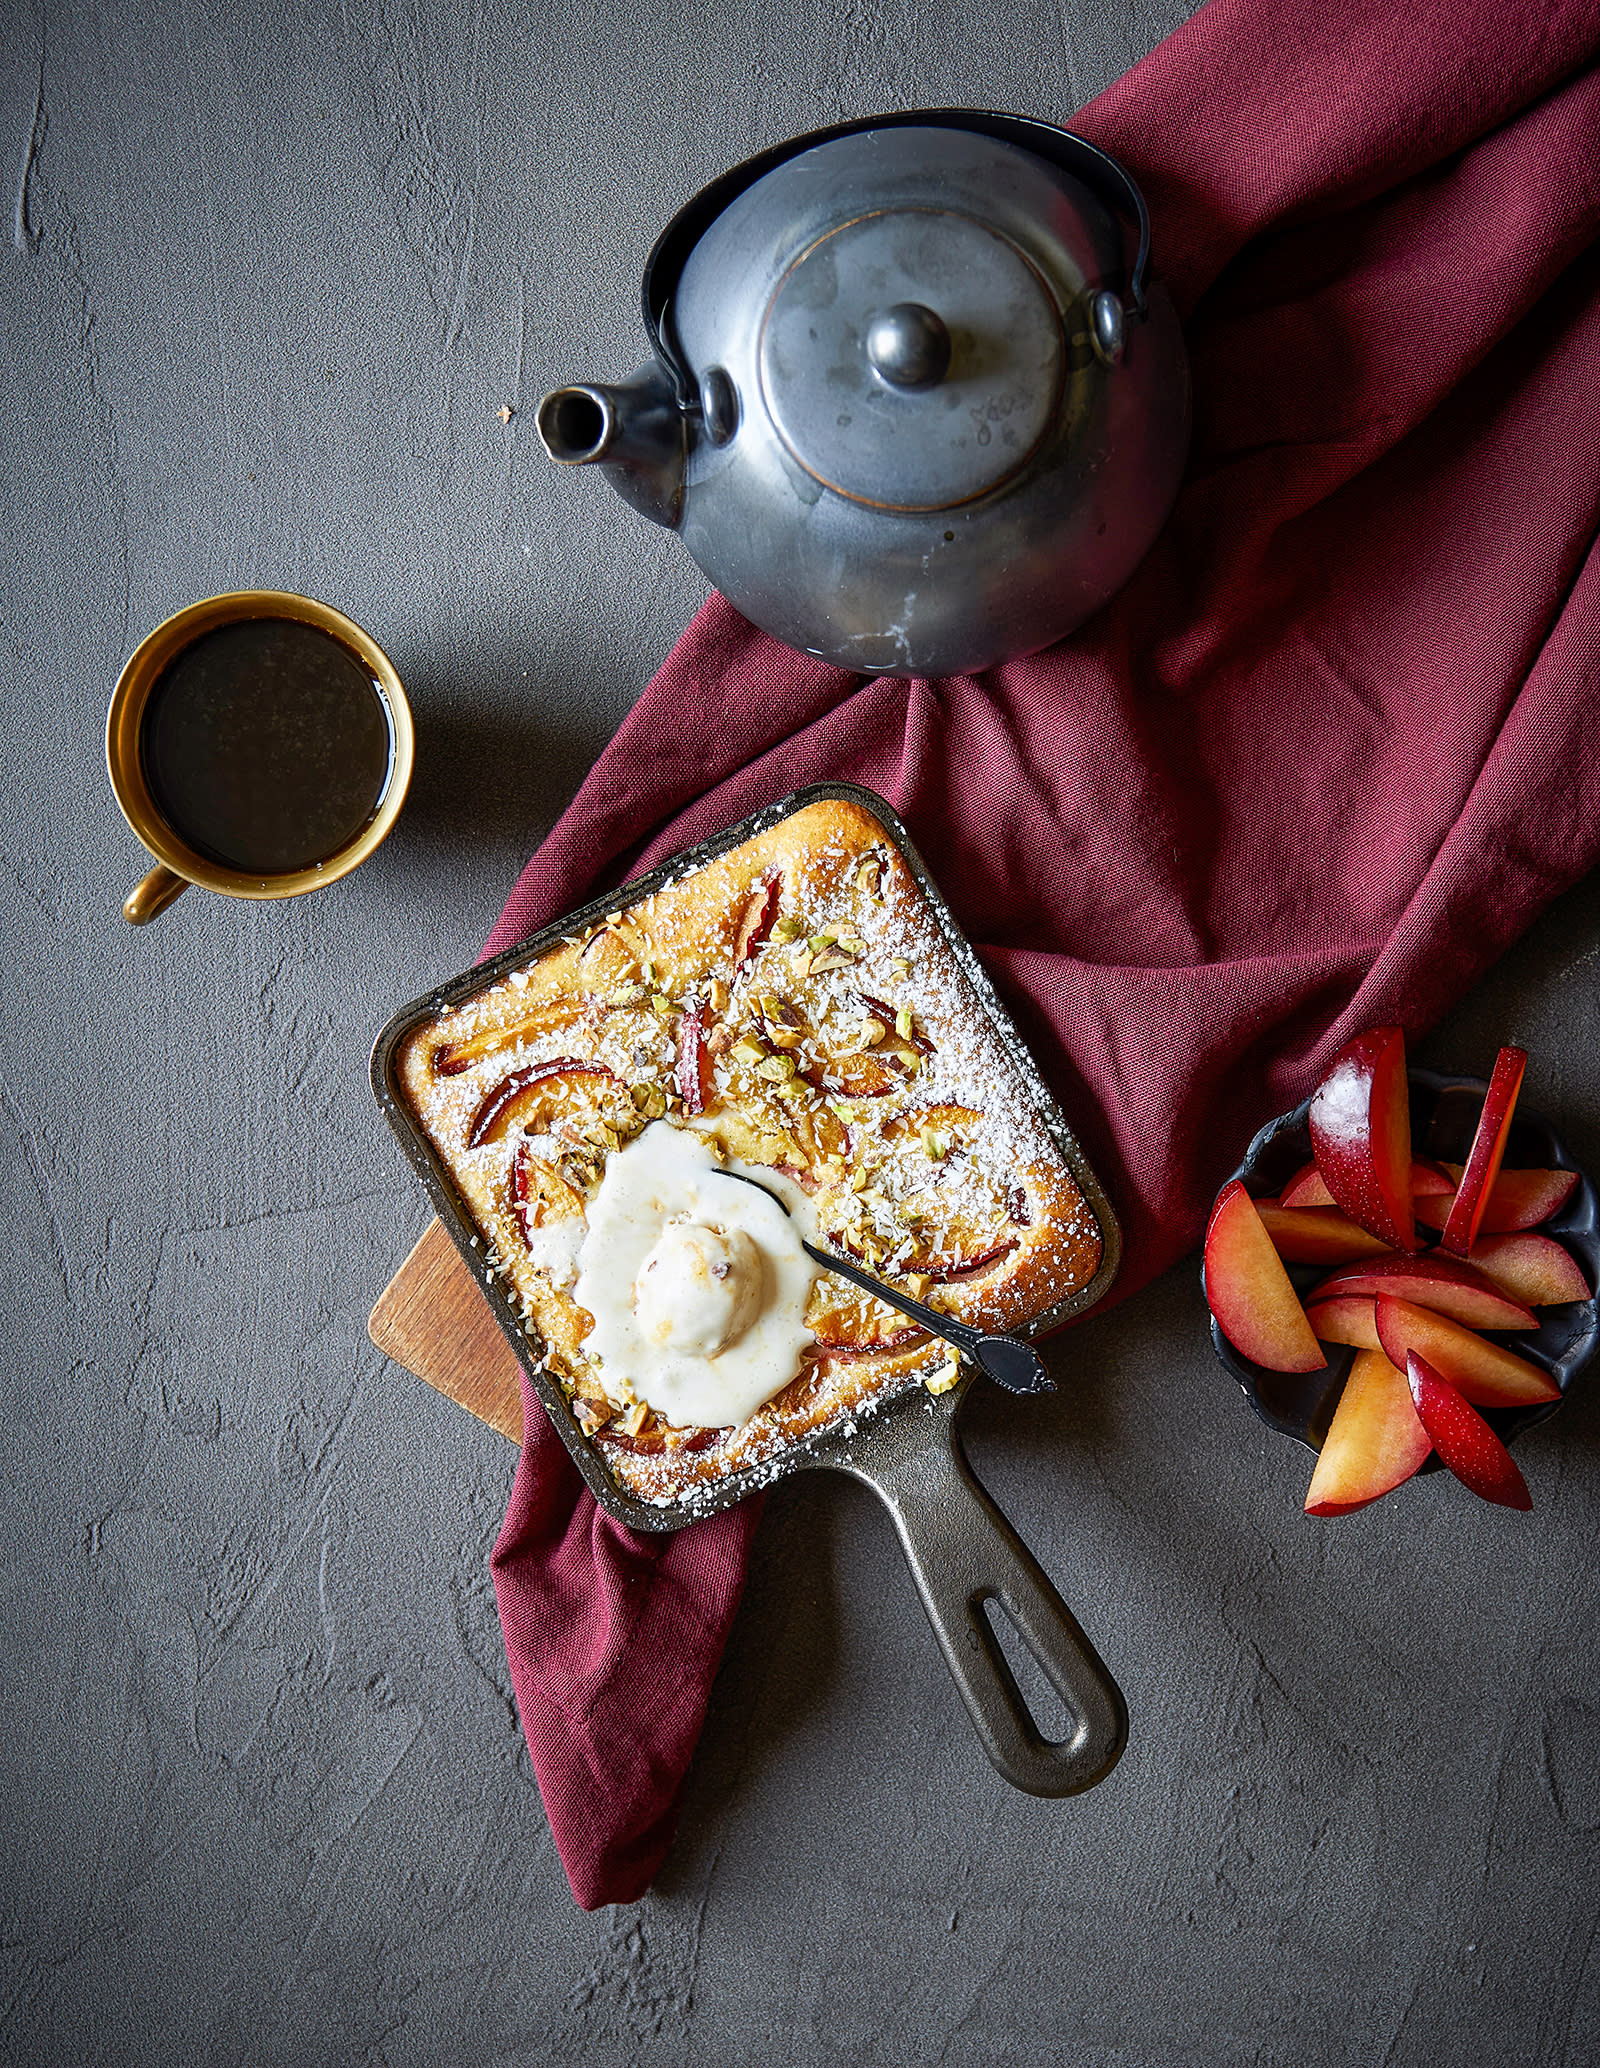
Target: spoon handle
(961,1333)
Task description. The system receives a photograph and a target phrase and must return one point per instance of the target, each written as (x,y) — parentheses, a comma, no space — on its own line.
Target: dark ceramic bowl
(1444,1117)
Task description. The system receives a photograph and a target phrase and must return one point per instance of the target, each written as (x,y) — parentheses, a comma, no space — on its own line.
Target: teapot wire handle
(1063,147)
(1128,193)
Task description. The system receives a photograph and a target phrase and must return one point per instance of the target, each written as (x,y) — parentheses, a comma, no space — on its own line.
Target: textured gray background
(272,273)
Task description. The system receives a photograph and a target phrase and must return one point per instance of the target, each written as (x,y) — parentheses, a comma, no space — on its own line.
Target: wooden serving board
(432,1318)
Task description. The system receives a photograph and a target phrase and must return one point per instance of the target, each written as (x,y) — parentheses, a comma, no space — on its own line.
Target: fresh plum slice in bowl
(1444,1118)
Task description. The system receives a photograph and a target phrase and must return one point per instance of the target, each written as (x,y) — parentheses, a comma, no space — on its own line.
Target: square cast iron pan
(962,1551)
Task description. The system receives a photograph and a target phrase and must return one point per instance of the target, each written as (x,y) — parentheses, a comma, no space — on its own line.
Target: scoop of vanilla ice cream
(699,1288)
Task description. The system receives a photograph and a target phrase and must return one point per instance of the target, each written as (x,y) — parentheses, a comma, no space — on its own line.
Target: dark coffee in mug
(266,745)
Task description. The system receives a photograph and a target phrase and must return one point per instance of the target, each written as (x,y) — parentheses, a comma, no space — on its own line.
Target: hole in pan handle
(963,1552)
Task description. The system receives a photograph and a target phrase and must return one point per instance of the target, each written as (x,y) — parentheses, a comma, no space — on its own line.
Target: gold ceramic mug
(179,864)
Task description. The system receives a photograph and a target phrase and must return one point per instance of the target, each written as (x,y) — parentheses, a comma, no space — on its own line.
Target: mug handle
(153,894)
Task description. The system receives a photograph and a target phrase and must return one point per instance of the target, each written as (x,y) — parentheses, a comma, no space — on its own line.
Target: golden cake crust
(795,1000)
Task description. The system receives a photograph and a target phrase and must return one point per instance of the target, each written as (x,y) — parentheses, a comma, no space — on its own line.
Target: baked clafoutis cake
(789,1010)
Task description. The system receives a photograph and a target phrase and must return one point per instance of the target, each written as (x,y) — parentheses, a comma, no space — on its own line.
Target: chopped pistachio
(749,1050)
(853,942)
(788,928)
(869,877)
(779,1068)
(835,956)
(660,1004)
(935,1146)
(872,1032)
(825,939)
(785,1037)
(627,994)
(651,1100)
(904,1021)
(917,1283)
(939,1378)
(900,966)
(634,1420)
(648,971)
(859,1180)
(719,994)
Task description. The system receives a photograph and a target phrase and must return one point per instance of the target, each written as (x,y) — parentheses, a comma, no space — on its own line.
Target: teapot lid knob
(912,358)
(909,346)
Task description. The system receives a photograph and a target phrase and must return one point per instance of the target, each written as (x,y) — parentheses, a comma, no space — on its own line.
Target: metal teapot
(911,409)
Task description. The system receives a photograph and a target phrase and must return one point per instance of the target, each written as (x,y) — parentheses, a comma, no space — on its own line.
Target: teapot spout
(634,432)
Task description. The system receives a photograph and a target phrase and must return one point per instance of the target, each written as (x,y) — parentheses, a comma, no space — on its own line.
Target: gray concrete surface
(272,273)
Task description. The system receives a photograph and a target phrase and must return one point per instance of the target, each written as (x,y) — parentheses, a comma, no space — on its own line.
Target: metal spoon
(1007,1360)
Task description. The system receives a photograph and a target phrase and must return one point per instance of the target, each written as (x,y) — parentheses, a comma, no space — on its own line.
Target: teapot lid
(904,306)
(911,358)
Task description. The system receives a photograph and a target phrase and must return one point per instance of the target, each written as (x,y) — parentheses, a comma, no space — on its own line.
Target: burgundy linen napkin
(1325,757)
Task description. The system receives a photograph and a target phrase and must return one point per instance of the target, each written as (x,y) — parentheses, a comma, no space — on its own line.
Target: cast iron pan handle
(963,1553)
